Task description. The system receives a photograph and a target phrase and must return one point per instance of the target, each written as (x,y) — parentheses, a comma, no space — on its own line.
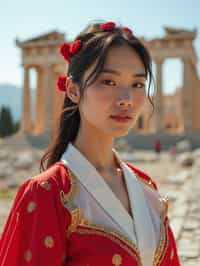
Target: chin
(121,133)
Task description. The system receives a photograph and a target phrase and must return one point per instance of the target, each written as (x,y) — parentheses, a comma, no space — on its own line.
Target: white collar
(90,178)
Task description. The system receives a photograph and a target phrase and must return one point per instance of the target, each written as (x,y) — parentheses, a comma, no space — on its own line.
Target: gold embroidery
(76,218)
(67,202)
(117,259)
(69,196)
(46,185)
(163,243)
(87,226)
(165,203)
(31,206)
(28,255)
(49,242)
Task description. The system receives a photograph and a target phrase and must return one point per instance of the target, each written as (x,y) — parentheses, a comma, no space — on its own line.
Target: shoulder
(144,177)
(47,183)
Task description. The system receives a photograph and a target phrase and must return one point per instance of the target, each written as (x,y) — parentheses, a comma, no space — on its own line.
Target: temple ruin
(175,113)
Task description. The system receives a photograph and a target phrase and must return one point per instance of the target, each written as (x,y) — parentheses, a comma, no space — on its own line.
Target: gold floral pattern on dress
(49,242)
(46,185)
(31,206)
(28,255)
(117,259)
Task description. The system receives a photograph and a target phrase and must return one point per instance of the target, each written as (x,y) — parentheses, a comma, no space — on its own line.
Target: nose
(125,99)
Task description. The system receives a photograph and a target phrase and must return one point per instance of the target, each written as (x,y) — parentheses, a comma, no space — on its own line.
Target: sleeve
(35,230)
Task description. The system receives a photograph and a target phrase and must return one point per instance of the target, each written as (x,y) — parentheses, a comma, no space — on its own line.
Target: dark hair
(95,44)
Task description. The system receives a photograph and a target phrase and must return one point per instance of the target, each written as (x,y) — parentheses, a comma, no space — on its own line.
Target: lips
(121,119)
(121,116)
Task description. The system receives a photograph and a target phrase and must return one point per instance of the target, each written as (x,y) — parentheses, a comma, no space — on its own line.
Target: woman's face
(118,90)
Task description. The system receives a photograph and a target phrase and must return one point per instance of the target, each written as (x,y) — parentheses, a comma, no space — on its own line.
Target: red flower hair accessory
(62,83)
(128,30)
(107,25)
(75,47)
(67,50)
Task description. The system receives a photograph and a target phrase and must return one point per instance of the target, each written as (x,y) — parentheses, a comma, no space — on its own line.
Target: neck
(97,150)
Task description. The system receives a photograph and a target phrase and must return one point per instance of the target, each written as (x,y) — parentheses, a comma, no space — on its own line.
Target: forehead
(121,58)
(124,58)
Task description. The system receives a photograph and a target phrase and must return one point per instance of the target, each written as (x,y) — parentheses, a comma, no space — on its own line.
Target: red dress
(41,231)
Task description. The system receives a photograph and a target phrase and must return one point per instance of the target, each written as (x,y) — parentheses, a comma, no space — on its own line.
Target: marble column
(159,97)
(186,96)
(26,122)
(48,98)
(39,121)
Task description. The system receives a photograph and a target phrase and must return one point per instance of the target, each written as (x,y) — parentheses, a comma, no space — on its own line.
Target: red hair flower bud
(107,25)
(62,83)
(74,47)
(128,30)
(64,50)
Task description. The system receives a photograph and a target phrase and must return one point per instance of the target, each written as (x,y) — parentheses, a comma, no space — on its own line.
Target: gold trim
(67,202)
(69,196)
(76,218)
(163,243)
(112,234)
(165,206)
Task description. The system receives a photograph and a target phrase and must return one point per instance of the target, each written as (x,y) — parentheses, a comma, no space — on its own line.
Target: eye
(108,82)
(139,85)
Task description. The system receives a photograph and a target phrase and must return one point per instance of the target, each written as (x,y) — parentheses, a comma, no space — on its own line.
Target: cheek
(94,105)
(139,102)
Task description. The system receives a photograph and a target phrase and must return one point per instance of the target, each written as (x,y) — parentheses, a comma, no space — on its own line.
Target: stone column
(186,96)
(159,96)
(26,121)
(48,98)
(39,121)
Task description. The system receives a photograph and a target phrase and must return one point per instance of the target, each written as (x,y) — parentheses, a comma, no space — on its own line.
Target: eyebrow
(112,71)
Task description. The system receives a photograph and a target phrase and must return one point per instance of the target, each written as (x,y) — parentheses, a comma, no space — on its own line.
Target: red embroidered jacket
(41,231)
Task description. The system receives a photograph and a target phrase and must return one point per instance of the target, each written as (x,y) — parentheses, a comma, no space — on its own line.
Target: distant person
(157,147)
(88,207)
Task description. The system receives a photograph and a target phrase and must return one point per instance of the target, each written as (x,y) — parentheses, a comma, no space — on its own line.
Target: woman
(89,207)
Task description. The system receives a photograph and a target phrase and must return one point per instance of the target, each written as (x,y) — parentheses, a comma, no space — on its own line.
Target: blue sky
(25,19)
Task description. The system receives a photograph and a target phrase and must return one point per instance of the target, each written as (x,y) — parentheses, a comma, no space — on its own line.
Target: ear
(73,91)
